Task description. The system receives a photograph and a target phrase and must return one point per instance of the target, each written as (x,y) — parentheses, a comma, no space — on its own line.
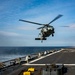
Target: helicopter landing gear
(40,38)
(52,35)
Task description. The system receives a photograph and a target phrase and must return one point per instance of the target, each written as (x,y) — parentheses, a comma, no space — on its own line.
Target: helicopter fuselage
(47,31)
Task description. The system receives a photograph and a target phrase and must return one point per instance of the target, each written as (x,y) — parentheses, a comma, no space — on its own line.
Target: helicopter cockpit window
(50,28)
(45,30)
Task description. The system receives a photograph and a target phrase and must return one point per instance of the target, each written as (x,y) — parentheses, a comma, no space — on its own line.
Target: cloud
(26,28)
(72,26)
(14,35)
(4,33)
(13,39)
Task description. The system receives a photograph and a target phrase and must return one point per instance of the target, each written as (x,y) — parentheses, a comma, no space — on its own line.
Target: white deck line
(43,57)
(69,64)
(48,64)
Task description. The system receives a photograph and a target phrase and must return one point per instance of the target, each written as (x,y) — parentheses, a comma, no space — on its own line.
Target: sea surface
(8,53)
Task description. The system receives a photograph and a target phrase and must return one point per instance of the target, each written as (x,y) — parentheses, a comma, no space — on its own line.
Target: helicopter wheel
(52,35)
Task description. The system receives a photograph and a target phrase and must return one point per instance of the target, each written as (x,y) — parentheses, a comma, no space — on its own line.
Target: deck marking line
(44,56)
(48,64)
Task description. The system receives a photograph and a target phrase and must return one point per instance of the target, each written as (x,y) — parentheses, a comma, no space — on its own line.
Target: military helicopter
(46,29)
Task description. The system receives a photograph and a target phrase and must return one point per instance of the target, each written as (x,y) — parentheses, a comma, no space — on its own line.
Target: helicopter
(46,30)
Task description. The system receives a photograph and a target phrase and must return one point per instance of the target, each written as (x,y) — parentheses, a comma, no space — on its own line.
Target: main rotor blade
(65,26)
(40,27)
(30,22)
(55,19)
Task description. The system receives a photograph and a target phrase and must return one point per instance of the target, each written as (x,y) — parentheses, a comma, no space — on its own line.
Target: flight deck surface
(64,57)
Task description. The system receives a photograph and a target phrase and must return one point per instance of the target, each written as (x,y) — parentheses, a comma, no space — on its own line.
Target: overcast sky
(16,33)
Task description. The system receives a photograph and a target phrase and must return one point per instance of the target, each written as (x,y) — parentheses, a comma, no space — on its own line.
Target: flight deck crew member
(27,58)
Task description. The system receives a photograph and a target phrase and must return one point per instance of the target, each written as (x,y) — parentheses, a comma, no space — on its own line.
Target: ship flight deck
(64,57)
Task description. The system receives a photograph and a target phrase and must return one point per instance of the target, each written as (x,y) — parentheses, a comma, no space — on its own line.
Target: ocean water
(8,53)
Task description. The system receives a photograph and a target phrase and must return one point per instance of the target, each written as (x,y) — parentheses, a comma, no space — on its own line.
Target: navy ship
(53,62)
